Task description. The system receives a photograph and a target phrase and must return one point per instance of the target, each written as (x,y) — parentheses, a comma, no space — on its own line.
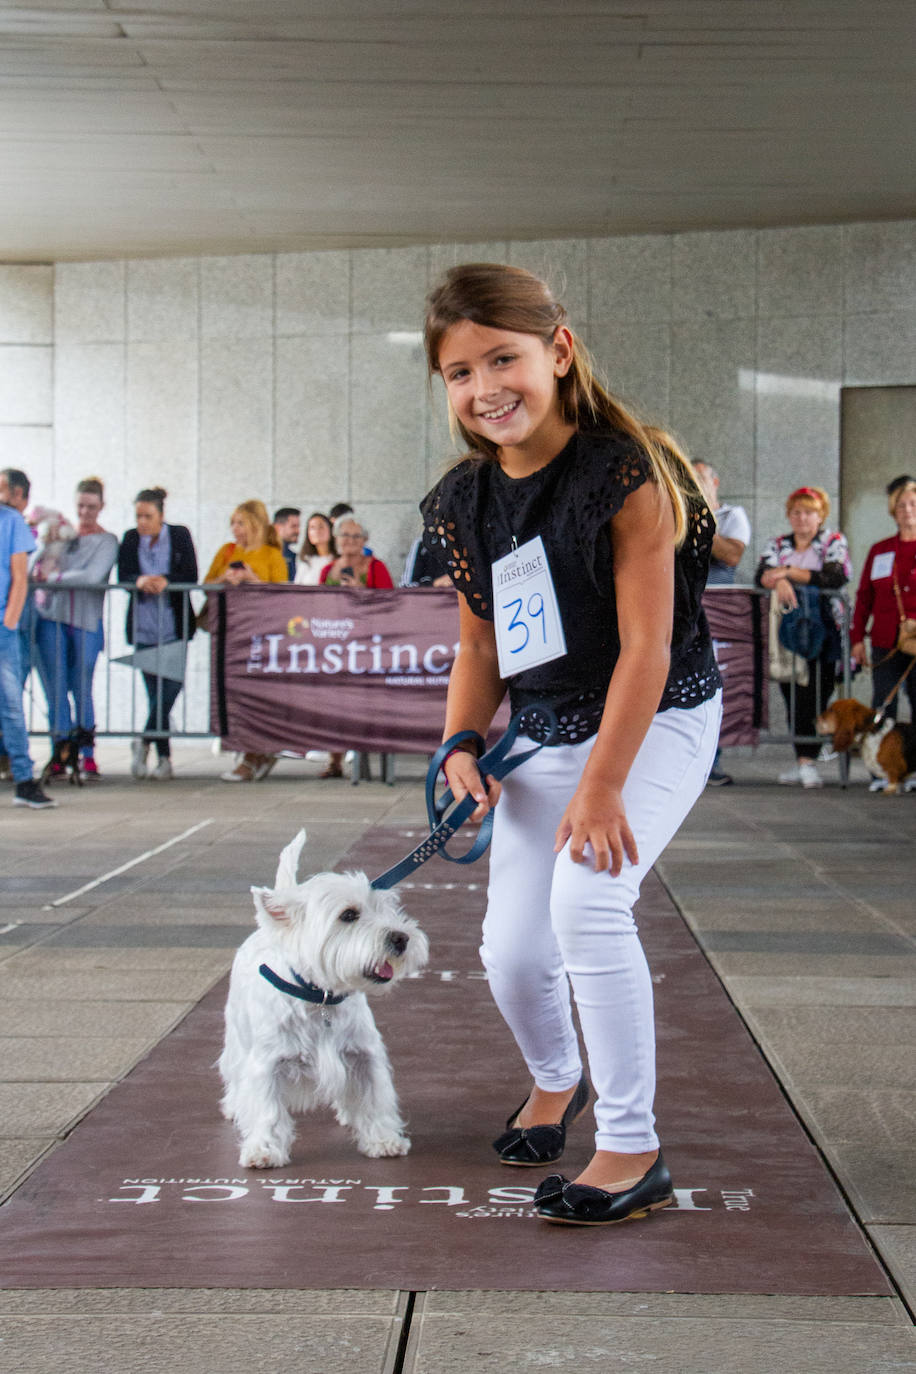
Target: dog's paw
(262,1156)
(385,1146)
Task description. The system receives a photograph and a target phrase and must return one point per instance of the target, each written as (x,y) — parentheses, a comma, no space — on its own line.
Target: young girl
(630,674)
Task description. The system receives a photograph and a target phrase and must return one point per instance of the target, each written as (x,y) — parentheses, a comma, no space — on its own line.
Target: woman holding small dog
(811,555)
(599,520)
(887,593)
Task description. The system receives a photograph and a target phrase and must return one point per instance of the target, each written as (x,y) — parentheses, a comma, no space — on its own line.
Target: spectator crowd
(53,571)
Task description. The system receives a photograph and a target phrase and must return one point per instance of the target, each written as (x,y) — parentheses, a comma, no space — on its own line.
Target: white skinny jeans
(551,921)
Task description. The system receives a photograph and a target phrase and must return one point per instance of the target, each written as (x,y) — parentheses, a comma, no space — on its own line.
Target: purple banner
(327,668)
(737,622)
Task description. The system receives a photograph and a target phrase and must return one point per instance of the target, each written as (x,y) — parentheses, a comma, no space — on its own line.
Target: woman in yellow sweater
(253,556)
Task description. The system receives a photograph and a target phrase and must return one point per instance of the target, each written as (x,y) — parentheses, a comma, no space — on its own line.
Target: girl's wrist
(460,749)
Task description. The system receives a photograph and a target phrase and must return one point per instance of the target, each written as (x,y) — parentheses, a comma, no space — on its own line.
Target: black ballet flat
(529,1147)
(577,1204)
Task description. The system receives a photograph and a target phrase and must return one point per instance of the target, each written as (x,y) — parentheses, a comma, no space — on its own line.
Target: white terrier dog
(305,1036)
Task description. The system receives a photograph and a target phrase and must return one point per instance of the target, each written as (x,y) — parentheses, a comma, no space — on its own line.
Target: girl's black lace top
(472,515)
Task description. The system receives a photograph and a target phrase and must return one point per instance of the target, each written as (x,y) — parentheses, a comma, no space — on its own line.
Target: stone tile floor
(803,903)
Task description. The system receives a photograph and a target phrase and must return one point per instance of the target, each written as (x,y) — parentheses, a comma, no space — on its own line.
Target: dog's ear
(288,867)
(270,907)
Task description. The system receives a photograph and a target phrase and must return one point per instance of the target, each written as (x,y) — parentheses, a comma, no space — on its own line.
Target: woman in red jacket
(877,610)
(354,567)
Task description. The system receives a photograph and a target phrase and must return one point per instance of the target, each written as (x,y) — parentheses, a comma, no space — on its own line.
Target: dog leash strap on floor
(495,764)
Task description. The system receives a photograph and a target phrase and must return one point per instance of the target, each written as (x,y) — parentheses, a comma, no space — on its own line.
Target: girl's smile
(503,386)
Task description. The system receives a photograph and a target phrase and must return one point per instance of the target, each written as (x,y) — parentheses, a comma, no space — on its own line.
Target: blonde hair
(815,498)
(501,297)
(253,515)
(896,494)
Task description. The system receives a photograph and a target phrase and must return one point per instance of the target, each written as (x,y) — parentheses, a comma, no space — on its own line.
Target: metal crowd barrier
(120,701)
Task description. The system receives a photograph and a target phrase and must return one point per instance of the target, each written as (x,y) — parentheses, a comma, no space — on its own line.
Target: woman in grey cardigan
(69,631)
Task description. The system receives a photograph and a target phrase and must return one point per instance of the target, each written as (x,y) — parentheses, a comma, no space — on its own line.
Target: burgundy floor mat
(147,1191)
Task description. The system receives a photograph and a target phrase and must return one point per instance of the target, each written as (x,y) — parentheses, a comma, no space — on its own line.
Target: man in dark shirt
(286,523)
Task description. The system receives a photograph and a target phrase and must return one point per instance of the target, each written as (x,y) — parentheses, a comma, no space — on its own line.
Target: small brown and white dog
(887,749)
(299,1031)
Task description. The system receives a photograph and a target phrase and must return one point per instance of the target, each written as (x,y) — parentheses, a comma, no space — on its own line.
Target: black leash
(442,826)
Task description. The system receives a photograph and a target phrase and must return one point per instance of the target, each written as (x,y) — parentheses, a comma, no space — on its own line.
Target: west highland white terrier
(331,939)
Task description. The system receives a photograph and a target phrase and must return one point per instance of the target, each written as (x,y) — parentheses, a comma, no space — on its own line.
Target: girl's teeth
(498,414)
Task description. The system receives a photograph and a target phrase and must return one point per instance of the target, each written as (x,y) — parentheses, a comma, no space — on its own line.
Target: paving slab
(111,1019)
(476,1344)
(898,1243)
(358,1302)
(739,1306)
(819,990)
(227,1343)
(16,1156)
(44,1109)
(859,1115)
(55,1059)
(129,985)
(879,1180)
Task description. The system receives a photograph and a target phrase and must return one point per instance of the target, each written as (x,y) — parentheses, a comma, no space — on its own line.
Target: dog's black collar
(307,992)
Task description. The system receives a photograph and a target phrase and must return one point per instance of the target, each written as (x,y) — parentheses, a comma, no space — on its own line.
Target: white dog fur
(283,1055)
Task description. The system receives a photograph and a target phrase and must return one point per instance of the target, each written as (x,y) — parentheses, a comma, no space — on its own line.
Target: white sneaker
(138,752)
(809,775)
(789,776)
(827,754)
(244,771)
(910,784)
(877,785)
(163,769)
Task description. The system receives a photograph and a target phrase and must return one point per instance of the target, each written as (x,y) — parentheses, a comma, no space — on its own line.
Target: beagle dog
(887,749)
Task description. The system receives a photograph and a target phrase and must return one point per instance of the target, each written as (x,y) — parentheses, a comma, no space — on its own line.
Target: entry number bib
(526,616)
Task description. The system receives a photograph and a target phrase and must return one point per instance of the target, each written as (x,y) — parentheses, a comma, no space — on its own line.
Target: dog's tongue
(384,971)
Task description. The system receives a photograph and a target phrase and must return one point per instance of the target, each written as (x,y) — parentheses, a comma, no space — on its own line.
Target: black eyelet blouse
(472,515)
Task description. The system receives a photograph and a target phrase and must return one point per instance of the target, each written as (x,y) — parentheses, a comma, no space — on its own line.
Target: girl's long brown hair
(502,297)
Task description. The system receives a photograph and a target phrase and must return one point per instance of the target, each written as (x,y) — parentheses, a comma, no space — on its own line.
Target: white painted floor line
(132,863)
(13,925)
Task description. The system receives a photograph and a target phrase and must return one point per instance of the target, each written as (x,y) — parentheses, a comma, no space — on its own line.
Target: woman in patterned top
(811,555)
(600,606)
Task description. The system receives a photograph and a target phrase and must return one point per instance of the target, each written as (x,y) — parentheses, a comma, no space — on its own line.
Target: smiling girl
(592,531)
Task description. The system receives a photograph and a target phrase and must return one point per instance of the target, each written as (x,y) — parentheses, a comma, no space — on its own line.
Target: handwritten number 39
(534,611)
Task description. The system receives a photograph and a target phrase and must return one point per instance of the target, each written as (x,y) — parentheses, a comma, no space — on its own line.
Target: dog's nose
(397,941)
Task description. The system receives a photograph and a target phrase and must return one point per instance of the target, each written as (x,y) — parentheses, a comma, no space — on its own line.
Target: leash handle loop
(443,823)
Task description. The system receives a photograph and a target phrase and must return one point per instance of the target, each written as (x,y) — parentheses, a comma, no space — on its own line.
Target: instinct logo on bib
(526,616)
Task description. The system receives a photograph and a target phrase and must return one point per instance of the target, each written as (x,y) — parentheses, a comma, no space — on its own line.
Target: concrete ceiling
(132,127)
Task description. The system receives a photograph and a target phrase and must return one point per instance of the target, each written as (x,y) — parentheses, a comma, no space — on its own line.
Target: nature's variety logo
(296,627)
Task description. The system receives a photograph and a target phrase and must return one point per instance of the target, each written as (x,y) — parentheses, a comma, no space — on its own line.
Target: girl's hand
(860,653)
(463,777)
(596,816)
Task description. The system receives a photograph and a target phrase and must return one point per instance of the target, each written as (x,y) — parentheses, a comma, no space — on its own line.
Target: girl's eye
(350,913)
(457,375)
(506,358)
